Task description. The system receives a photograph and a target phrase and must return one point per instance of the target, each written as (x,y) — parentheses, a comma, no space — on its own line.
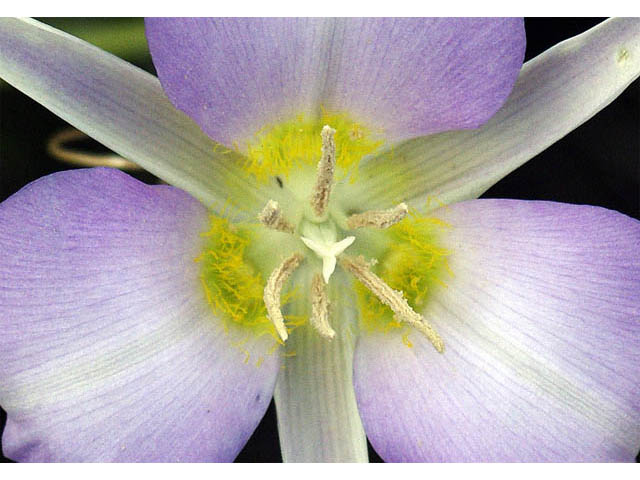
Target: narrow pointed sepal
(122,107)
(555,93)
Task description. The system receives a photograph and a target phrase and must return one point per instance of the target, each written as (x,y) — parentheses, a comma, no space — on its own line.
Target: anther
(272,217)
(326,167)
(320,307)
(359,268)
(273,289)
(378,218)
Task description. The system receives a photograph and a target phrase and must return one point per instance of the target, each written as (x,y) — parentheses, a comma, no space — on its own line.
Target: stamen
(320,307)
(273,289)
(378,218)
(272,217)
(326,167)
(392,298)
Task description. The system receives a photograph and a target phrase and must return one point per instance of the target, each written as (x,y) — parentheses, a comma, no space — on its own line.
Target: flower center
(404,261)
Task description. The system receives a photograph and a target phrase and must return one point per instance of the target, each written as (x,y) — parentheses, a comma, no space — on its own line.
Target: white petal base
(318,418)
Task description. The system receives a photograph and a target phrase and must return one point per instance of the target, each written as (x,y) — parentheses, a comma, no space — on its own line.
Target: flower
(135,307)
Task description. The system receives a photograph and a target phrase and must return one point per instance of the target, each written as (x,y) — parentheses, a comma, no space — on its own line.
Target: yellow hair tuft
(281,148)
(233,287)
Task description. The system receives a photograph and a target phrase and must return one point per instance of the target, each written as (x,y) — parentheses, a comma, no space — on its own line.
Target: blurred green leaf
(123,37)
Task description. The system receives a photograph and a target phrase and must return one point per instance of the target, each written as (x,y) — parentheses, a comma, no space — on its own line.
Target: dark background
(596,164)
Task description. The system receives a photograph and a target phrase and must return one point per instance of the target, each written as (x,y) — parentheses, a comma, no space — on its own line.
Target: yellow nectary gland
(413,264)
(234,288)
(279,149)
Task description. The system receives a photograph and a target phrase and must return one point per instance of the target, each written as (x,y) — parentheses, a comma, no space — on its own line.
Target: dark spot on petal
(279,180)
(257,399)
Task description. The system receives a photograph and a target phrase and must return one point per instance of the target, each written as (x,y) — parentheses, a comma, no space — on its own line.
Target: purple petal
(108,350)
(541,324)
(406,77)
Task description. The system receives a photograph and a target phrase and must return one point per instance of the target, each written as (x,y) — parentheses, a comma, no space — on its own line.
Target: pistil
(273,289)
(394,299)
(328,252)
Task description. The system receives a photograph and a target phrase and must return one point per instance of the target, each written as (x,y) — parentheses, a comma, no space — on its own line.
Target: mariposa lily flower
(301,255)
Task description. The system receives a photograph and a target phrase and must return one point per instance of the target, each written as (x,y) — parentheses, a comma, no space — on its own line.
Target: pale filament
(57,147)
